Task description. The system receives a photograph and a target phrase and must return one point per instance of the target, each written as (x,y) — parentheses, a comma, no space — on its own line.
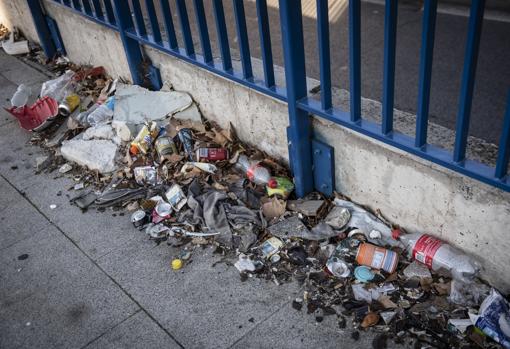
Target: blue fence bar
(153,20)
(324,52)
(140,22)
(390,42)
(203,31)
(185,28)
(242,38)
(110,15)
(265,43)
(221,29)
(86,7)
(169,24)
(77,5)
(298,132)
(131,46)
(41,26)
(427,50)
(98,10)
(355,59)
(504,144)
(468,79)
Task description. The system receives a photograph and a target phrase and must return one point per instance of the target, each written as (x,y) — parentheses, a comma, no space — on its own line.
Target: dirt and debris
(187,182)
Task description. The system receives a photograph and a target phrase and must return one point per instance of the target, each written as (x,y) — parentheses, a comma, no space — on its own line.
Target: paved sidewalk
(91,280)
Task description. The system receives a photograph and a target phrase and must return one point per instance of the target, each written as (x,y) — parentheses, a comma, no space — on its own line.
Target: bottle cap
(272,183)
(176,264)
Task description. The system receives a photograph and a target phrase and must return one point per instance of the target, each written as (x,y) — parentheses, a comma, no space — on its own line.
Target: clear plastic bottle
(255,172)
(437,254)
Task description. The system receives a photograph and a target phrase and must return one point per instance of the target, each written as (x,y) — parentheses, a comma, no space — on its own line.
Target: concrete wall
(414,193)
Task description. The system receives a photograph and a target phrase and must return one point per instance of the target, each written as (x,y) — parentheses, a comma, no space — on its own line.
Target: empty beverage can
(212,154)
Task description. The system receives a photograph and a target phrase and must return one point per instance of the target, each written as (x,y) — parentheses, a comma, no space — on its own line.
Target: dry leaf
(386,302)
(371,319)
(273,207)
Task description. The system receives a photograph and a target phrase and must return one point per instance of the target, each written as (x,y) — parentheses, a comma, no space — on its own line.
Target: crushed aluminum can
(146,175)
(139,218)
(156,231)
(336,264)
(176,197)
(161,212)
(165,146)
(212,154)
(69,104)
(271,246)
(187,141)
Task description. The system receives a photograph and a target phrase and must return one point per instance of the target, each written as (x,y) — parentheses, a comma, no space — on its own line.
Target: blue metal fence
(119,14)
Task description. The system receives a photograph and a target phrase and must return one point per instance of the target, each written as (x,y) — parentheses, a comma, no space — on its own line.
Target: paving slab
(201,305)
(18,218)
(289,328)
(138,331)
(56,298)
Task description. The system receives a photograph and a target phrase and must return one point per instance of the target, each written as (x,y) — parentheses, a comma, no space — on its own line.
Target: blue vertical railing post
(203,31)
(265,43)
(41,26)
(504,144)
(138,14)
(87,7)
(131,46)
(299,130)
(427,53)
(98,10)
(169,24)
(76,5)
(242,38)
(153,20)
(468,79)
(390,41)
(221,30)
(355,59)
(324,53)
(109,11)
(185,28)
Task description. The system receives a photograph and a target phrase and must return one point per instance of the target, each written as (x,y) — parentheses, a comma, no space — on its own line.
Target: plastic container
(255,172)
(377,257)
(437,254)
(101,114)
(20,97)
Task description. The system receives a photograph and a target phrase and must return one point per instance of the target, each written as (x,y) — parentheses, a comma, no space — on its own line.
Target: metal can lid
(363,274)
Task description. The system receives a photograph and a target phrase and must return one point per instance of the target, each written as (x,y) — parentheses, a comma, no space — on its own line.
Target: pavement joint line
(111,328)
(95,263)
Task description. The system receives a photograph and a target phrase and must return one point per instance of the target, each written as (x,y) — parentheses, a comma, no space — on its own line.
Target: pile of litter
(188,182)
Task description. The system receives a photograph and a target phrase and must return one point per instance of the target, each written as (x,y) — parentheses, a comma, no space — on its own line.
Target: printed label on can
(377,260)
(425,249)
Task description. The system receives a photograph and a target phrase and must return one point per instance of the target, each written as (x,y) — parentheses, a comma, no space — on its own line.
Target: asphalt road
(492,78)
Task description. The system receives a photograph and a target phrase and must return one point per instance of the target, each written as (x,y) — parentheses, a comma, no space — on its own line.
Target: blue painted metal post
(185,28)
(77,5)
(390,41)
(427,50)
(169,24)
(221,29)
(504,144)
(140,22)
(355,59)
(42,29)
(98,10)
(299,130)
(242,37)
(153,19)
(109,11)
(87,7)
(324,53)
(203,31)
(468,79)
(131,46)
(265,43)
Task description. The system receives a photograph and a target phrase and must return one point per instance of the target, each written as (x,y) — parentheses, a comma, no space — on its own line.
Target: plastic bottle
(101,114)
(437,254)
(20,97)
(255,172)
